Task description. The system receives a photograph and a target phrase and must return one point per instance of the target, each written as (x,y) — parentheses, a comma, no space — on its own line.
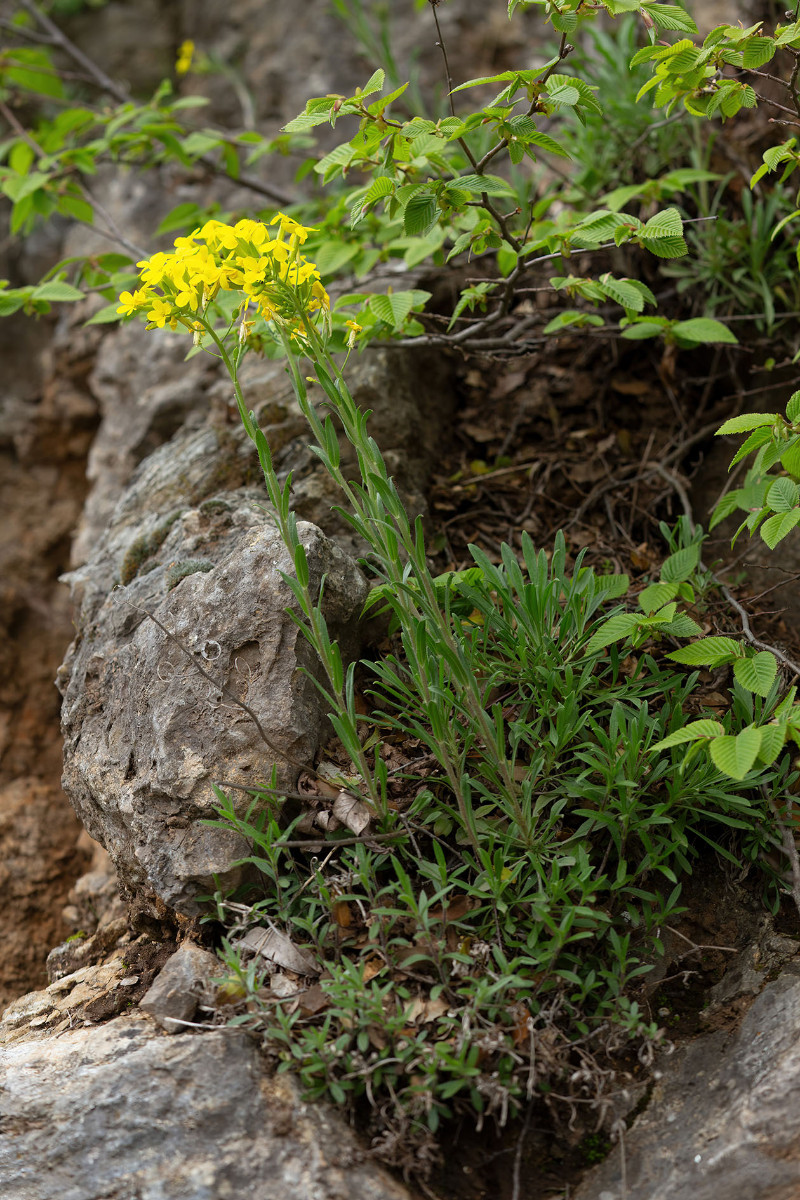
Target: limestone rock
(724,1119)
(148,733)
(121,1110)
(176,993)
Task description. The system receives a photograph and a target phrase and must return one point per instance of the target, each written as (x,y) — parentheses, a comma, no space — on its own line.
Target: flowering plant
(270,273)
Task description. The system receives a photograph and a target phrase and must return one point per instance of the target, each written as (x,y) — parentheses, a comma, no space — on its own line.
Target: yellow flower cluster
(183,62)
(269,271)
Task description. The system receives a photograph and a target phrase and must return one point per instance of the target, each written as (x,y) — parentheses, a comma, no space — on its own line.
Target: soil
(44,440)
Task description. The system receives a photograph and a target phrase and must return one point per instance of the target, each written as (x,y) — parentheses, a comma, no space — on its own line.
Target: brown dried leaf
(454,910)
(371,967)
(342,914)
(631,387)
(352,812)
(420,1011)
(275,947)
(313,1001)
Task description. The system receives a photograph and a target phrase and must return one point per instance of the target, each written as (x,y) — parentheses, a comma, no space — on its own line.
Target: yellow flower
(292,227)
(355,330)
(183,63)
(160,313)
(131,301)
(252,231)
(187,297)
(219,233)
(153,269)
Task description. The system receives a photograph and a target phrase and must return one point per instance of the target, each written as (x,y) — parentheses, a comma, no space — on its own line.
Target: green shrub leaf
(783,496)
(708,652)
(693,732)
(746,422)
(776,528)
(704,330)
(734,756)
(757,674)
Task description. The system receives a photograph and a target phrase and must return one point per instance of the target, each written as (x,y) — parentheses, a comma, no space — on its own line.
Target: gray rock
(147,735)
(179,987)
(121,1111)
(724,1118)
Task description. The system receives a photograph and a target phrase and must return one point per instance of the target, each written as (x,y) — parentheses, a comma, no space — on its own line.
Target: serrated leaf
(708,652)
(612,586)
(725,508)
(476,184)
(623,292)
(562,93)
(373,84)
(734,756)
(420,215)
(773,739)
(613,630)
(681,626)
(392,308)
(666,247)
(694,731)
(776,528)
(680,565)
(747,421)
(656,596)
(793,407)
(790,458)
(545,142)
(783,496)
(664,224)
(757,439)
(757,674)
(757,51)
(671,16)
(704,330)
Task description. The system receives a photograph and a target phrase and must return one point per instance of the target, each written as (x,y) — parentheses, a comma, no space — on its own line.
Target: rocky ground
(122,463)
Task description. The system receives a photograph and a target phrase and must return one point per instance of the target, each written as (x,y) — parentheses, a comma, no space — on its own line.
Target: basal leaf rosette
(274,279)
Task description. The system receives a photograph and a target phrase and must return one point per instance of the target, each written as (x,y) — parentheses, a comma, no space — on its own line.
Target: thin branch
(69,47)
(119,93)
(113,233)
